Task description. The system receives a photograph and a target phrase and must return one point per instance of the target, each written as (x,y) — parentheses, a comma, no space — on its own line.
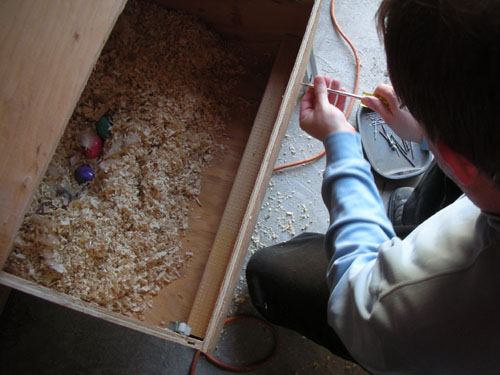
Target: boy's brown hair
(444,63)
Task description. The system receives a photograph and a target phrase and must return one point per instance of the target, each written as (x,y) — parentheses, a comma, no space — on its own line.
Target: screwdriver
(338,92)
(359,97)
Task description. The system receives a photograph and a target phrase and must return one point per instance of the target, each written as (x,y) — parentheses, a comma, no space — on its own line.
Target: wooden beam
(47,51)
(232,219)
(288,101)
(250,20)
(95,311)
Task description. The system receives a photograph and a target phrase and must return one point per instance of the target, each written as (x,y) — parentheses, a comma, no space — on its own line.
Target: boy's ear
(463,169)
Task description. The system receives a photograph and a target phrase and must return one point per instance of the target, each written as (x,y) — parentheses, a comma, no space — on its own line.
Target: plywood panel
(223,246)
(47,51)
(92,310)
(250,20)
(174,302)
(270,154)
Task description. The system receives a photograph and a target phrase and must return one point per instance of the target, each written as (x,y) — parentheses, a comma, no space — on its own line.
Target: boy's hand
(399,119)
(321,112)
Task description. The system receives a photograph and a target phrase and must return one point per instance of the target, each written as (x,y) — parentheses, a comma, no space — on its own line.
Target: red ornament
(92,144)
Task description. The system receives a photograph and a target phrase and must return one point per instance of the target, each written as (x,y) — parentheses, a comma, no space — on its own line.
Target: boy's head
(443,58)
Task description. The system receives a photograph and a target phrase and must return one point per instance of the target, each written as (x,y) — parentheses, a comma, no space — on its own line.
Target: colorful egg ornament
(92,144)
(84,173)
(103,127)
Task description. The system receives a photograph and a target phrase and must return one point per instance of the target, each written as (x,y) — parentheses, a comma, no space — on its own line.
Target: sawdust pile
(165,81)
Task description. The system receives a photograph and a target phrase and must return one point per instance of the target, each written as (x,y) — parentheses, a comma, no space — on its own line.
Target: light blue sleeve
(358,222)
(386,294)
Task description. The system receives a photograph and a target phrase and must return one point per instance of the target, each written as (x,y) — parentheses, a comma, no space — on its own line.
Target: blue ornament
(84,173)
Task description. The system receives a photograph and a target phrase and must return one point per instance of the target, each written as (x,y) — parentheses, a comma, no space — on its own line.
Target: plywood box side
(269,159)
(224,247)
(249,20)
(262,148)
(4,296)
(94,311)
(47,52)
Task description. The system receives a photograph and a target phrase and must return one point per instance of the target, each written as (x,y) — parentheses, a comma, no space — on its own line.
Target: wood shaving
(165,81)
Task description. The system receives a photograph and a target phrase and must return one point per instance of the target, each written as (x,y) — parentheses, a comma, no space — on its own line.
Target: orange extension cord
(356,83)
(293,164)
(248,368)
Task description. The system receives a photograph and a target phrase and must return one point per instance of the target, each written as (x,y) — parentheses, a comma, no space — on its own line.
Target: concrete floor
(37,337)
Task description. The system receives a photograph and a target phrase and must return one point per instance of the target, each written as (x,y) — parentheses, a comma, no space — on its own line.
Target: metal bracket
(180,327)
(311,72)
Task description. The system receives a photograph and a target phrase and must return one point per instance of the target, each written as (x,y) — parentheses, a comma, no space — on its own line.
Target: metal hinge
(180,327)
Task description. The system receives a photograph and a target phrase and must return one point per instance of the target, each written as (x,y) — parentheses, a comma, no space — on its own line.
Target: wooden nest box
(50,50)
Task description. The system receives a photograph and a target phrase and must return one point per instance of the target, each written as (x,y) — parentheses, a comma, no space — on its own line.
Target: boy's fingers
(308,96)
(387,93)
(335,84)
(332,97)
(385,90)
(320,90)
(328,81)
(341,100)
(307,102)
(378,106)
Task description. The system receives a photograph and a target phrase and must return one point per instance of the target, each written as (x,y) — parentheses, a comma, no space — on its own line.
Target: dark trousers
(434,192)
(287,281)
